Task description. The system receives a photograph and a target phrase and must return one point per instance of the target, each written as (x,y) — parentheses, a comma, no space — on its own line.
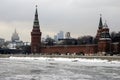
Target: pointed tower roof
(100,22)
(105,33)
(105,25)
(36,20)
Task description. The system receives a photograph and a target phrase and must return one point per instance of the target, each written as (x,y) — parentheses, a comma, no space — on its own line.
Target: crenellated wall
(73,49)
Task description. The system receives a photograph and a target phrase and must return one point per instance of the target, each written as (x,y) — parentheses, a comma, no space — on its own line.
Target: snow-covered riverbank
(109,58)
(77,60)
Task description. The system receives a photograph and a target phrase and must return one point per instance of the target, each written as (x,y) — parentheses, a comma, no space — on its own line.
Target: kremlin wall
(103,45)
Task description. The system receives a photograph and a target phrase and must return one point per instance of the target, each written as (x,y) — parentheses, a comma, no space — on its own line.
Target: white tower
(15,36)
(60,35)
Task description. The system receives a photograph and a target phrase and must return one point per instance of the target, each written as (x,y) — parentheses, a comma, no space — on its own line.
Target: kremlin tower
(99,29)
(103,38)
(36,35)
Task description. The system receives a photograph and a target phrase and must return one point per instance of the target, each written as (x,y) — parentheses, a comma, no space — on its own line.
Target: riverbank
(109,58)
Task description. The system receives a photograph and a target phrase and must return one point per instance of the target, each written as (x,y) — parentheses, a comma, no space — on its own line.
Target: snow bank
(65,59)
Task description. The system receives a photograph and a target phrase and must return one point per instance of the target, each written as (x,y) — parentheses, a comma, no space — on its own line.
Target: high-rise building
(15,36)
(67,35)
(55,38)
(60,35)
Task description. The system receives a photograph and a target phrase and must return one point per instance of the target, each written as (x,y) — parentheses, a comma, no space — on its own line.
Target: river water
(58,69)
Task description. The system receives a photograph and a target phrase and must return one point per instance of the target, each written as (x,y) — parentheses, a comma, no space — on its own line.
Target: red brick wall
(87,49)
(104,46)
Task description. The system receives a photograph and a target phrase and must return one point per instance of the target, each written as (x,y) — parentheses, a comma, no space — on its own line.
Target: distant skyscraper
(67,35)
(55,38)
(47,36)
(15,36)
(2,41)
(60,35)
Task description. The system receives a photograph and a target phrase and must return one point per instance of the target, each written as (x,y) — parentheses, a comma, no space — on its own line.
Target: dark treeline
(71,41)
(115,36)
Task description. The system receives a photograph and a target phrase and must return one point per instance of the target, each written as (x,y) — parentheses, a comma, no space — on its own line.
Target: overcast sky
(80,17)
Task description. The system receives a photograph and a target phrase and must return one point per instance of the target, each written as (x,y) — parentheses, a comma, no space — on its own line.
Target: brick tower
(100,27)
(36,35)
(104,43)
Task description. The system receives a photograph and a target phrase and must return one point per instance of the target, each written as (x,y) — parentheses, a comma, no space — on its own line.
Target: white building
(60,35)
(15,41)
(15,37)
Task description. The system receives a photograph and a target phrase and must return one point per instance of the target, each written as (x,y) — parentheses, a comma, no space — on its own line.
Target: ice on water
(39,68)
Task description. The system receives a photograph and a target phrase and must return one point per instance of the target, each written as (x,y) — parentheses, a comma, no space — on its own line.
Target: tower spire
(36,13)
(36,20)
(100,22)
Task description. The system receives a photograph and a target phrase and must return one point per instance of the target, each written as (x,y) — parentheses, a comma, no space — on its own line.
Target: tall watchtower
(100,27)
(104,43)
(36,35)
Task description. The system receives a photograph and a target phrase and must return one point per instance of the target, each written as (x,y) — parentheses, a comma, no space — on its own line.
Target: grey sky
(80,17)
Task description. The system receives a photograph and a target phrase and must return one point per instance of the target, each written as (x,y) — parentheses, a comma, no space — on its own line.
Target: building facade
(102,46)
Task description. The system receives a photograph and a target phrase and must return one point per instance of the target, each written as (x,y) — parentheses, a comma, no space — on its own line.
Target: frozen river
(58,69)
